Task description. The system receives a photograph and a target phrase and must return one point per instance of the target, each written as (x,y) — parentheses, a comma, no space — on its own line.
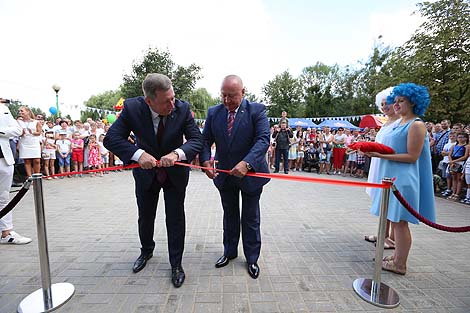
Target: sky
(87,46)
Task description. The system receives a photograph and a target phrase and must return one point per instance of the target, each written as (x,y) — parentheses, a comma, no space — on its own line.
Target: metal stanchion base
(387,297)
(34,303)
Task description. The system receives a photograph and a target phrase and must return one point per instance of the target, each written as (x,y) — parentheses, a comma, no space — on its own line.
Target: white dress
(29,145)
(384,131)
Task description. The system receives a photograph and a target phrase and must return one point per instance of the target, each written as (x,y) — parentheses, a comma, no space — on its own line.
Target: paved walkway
(313,249)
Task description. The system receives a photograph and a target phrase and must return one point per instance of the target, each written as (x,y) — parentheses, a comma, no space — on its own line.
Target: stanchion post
(49,297)
(373,290)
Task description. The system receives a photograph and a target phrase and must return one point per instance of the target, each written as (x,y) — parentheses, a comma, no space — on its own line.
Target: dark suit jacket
(249,141)
(136,117)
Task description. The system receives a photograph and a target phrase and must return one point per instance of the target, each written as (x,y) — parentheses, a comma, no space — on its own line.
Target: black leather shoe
(223,261)
(141,261)
(177,276)
(253,270)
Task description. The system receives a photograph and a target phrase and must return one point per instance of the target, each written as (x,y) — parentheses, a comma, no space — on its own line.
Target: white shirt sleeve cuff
(182,155)
(137,155)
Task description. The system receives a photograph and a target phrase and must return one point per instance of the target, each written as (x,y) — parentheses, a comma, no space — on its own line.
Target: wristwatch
(248,166)
(177,155)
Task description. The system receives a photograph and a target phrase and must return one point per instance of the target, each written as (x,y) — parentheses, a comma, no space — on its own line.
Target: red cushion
(369,146)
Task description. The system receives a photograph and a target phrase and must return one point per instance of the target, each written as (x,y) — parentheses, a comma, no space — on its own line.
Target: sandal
(453,197)
(386,258)
(370,238)
(391,266)
(389,244)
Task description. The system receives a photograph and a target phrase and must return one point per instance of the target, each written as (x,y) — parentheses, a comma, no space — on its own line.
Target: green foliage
(106,100)
(438,56)
(15,105)
(251,96)
(91,114)
(320,84)
(155,61)
(284,93)
(200,101)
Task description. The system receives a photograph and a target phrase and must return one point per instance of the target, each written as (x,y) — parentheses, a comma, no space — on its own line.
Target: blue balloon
(53,110)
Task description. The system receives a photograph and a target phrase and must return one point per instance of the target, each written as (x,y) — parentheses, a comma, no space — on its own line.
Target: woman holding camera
(457,156)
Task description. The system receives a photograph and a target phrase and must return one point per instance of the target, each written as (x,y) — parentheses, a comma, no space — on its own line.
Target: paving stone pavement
(313,248)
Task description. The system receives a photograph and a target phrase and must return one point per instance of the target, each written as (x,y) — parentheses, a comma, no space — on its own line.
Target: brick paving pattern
(312,251)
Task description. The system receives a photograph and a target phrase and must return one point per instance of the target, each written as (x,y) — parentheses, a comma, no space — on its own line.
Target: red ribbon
(252,174)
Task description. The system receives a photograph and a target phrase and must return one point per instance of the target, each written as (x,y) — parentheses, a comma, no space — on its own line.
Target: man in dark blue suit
(240,130)
(159,121)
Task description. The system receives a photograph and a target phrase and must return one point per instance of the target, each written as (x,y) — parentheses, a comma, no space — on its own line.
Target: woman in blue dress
(411,166)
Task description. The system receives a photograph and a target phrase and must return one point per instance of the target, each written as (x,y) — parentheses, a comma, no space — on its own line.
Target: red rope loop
(424,220)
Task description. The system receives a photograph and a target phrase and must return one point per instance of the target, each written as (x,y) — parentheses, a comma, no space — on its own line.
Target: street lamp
(56,89)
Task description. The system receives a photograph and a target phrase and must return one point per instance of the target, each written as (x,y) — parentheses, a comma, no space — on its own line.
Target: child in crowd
(63,148)
(300,155)
(77,153)
(48,154)
(458,154)
(94,155)
(466,177)
(445,163)
(104,153)
(360,161)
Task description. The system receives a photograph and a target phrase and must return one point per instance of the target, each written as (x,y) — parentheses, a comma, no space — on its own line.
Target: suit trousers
(147,201)
(250,220)
(6,177)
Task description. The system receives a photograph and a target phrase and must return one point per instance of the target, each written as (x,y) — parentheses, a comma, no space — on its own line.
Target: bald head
(232,92)
(233,80)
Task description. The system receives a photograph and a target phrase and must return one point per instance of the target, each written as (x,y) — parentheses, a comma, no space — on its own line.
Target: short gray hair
(155,82)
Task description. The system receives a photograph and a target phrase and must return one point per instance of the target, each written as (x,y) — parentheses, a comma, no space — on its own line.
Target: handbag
(456,168)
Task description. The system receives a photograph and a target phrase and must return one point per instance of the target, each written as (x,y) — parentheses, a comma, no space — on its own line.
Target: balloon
(111,118)
(53,110)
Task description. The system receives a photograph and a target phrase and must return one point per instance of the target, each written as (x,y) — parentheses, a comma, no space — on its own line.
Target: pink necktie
(231,118)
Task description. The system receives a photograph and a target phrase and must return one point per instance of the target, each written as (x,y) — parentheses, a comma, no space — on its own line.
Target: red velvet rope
(424,220)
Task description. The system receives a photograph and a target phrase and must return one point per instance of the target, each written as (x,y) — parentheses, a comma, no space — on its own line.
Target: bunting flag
(99,111)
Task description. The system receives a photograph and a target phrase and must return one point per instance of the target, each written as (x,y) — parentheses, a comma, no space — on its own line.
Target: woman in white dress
(29,145)
(393,120)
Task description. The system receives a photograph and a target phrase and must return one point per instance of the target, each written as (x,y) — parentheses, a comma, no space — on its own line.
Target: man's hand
(239,170)
(168,160)
(147,161)
(210,173)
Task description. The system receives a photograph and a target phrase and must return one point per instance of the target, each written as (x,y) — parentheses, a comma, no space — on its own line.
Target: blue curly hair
(418,96)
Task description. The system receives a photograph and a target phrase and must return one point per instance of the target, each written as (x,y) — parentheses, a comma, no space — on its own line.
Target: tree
(15,105)
(155,61)
(438,56)
(284,93)
(320,83)
(200,101)
(106,100)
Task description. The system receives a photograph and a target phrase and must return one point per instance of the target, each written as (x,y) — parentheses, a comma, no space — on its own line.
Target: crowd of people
(63,146)
(326,150)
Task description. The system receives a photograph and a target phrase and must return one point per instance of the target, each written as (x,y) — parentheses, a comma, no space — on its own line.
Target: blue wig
(418,96)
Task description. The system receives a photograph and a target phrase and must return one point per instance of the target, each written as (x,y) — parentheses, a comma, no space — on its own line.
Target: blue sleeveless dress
(413,180)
